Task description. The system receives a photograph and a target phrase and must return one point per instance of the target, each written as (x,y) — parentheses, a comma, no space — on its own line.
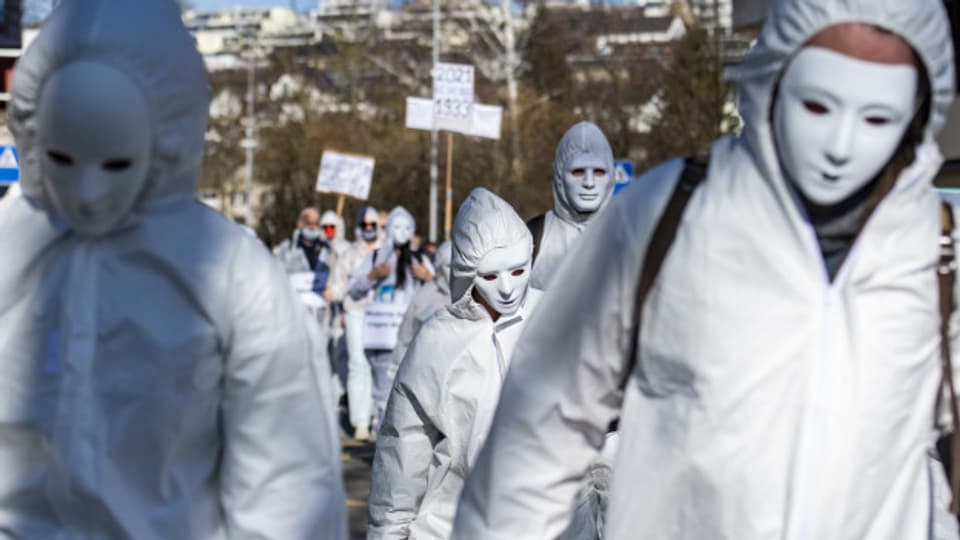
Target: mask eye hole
(815,107)
(877,120)
(117,165)
(489,277)
(578,172)
(599,173)
(59,157)
(517,272)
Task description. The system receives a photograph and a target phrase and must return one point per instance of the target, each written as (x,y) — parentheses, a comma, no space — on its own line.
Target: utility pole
(433,133)
(250,141)
(510,46)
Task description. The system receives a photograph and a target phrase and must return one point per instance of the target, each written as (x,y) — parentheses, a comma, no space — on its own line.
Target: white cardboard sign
(303,284)
(484,122)
(419,113)
(453,96)
(381,324)
(347,174)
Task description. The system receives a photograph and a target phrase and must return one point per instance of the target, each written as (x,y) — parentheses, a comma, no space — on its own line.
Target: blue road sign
(622,173)
(9,164)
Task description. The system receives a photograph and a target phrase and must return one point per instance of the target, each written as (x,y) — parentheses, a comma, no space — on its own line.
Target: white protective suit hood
(484,222)
(399,212)
(790,24)
(127,37)
(331,218)
(582,138)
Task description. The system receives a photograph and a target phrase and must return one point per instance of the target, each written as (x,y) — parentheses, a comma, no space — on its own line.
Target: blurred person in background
(359,378)
(427,301)
(392,274)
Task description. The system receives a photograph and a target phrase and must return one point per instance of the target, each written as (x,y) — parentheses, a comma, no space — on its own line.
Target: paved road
(356,460)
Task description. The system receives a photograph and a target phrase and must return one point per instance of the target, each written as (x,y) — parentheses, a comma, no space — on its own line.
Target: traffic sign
(9,164)
(622,174)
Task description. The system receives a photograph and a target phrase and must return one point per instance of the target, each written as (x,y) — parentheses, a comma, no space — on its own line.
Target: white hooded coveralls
(446,389)
(156,380)
(767,402)
(359,378)
(563,224)
(361,287)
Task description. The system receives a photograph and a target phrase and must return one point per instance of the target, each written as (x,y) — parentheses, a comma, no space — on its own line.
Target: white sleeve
(280,468)
(564,384)
(405,446)
(359,284)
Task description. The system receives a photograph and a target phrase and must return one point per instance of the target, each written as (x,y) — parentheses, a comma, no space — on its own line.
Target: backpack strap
(693,174)
(946,279)
(535,225)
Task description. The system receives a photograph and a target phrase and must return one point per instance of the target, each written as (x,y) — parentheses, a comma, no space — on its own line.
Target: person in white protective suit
(787,360)
(393,273)
(306,247)
(333,229)
(157,375)
(359,378)
(582,184)
(427,301)
(449,382)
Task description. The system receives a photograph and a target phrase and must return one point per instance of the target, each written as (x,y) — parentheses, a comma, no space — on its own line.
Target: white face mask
(401,230)
(502,277)
(838,121)
(586,182)
(94,137)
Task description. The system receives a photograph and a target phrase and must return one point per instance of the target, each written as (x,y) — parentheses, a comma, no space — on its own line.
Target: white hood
(146,41)
(790,24)
(331,218)
(582,138)
(484,222)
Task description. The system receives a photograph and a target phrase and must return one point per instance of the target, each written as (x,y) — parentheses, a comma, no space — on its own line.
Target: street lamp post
(249,142)
(433,132)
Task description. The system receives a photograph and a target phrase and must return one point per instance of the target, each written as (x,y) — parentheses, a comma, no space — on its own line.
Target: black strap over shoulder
(536,225)
(693,174)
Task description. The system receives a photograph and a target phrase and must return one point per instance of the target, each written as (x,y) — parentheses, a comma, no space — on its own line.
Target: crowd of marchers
(755,344)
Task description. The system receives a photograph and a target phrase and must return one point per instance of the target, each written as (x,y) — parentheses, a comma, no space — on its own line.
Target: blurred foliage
(349,96)
(691,108)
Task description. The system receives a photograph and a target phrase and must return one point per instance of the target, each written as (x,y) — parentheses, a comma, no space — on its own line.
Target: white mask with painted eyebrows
(502,277)
(94,137)
(586,182)
(838,120)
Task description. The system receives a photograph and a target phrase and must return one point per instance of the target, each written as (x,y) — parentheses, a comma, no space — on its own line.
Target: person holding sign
(393,273)
(449,381)
(582,185)
(158,375)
